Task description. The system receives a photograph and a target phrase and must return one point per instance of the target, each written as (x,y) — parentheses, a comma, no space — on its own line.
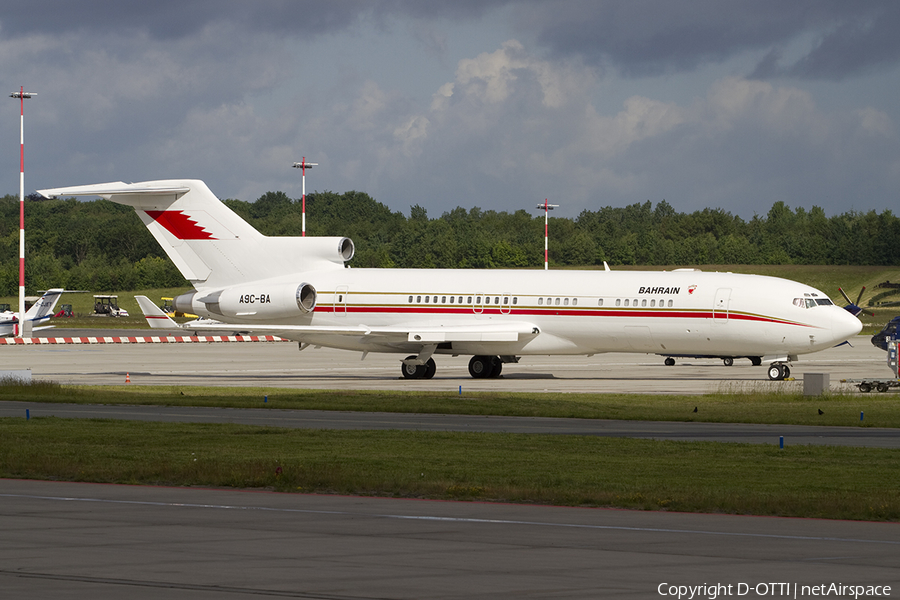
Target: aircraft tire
(430,369)
(480,367)
(496,367)
(776,372)
(728,361)
(755,360)
(412,371)
(670,362)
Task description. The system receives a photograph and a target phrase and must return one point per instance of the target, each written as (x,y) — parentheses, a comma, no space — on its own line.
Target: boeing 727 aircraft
(301,289)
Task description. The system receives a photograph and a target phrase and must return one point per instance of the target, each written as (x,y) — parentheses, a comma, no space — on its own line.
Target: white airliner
(39,312)
(300,288)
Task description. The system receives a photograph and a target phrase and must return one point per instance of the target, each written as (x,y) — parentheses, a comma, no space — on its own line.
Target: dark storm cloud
(636,37)
(646,37)
(165,19)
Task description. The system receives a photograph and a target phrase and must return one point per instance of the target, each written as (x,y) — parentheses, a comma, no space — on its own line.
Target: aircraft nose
(844,325)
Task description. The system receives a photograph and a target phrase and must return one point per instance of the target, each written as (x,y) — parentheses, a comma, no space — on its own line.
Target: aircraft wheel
(755,360)
(776,372)
(728,361)
(670,362)
(480,367)
(787,371)
(496,367)
(865,388)
(882,387)
(412,371)
(430,369)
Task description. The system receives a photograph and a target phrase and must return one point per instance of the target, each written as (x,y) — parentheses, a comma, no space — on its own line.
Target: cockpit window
(812,302)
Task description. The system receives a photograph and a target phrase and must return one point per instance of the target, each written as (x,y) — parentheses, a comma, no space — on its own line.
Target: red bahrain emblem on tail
(180,225)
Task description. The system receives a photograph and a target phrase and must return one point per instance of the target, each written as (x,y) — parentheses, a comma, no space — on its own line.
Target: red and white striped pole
(21,95)
(303,166)
(547,207)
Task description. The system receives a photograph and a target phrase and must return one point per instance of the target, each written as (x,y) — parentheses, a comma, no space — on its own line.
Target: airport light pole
(546,208)
(21,95)
(303,166)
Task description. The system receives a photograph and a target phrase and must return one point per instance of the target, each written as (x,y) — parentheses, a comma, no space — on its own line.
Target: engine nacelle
(251,302)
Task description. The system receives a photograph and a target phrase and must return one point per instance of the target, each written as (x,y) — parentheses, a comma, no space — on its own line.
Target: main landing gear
(779,371)
(413,371)
(482,367)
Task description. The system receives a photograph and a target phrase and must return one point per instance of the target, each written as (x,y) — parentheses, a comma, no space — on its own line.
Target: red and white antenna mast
(304,166)
(21,95)
(546,208)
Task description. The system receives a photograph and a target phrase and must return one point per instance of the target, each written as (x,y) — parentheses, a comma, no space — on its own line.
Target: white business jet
(39,312)
(300,288)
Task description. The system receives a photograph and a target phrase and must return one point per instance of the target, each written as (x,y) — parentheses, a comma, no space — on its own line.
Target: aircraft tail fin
(209,243)
(43,308)
(155,316)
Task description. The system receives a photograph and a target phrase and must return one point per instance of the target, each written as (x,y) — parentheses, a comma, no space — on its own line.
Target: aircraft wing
(489,332)
(509,331)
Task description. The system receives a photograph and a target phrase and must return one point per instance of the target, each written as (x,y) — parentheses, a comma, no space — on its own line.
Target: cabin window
(410,299)
(460,299)
(644,302)
(426,299)
(443,299)
(515,300)
(469,301)
(627,302)
(505,299)
(670,304)
(557,301)
(540,301)
(618,302)
(497,300)
(652,303)
(574,301)
(418,299)
(478,300)
(566,302)
(600,302)
(824,302)
(452,298)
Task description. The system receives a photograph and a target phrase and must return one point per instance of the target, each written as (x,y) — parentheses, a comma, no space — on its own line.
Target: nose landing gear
(779,371)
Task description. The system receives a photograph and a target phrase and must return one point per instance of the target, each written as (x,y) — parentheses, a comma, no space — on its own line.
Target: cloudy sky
(728,104)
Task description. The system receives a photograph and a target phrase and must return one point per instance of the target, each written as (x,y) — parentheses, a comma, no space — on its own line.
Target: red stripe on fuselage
(562,312)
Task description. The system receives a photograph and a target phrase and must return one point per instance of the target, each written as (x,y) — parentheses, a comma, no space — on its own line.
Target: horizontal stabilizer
(156,318)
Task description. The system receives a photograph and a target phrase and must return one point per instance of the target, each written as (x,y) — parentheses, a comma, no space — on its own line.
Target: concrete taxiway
(101,541)
(868,437)
(280,364)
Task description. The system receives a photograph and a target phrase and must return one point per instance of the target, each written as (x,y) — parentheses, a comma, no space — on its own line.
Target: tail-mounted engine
(252,302)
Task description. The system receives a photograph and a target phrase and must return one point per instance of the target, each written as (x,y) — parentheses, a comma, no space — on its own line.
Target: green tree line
(99,245)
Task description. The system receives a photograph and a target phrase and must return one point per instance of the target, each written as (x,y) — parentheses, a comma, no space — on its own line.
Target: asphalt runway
(72,540)
(280,364)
